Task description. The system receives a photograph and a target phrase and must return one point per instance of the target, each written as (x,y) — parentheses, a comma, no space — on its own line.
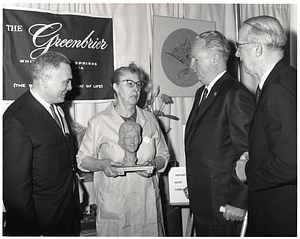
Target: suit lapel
(193,119)
(192,115)
(46,119)
(205,105)
(280,65)
(43,114)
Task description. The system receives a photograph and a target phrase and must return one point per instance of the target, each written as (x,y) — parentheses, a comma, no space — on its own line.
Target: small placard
(178,186)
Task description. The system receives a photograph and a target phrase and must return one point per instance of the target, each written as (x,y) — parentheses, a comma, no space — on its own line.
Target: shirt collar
(42,102)
(211,84)
(265,76)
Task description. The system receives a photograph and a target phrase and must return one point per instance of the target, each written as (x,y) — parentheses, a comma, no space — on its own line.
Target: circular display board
(176,59)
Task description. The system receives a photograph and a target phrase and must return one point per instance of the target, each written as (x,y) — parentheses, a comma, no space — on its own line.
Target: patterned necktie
(258,92)
(63,119)
(55,116)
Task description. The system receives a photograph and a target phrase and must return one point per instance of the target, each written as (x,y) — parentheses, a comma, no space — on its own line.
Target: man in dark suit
(270,168)
(40,192)
(216,136)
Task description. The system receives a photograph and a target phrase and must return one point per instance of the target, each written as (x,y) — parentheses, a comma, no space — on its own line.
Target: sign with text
(178,186)
(87,41)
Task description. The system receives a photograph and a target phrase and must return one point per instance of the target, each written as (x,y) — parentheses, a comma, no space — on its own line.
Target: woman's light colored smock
(126,205)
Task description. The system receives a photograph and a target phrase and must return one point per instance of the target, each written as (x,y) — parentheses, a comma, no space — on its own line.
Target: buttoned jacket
(38,175)
(215,138)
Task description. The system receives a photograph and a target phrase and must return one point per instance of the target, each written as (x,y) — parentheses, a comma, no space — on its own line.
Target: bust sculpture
(129,139)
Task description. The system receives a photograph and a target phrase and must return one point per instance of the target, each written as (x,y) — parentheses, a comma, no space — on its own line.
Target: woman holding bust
(126,205)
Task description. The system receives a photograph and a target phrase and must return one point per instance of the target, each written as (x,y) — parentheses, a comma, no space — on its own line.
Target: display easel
(190,225)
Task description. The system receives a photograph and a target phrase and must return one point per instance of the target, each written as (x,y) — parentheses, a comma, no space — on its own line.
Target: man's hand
(233,213)
(240,167)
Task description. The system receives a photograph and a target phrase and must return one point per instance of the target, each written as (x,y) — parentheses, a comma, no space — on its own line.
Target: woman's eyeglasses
(131,83)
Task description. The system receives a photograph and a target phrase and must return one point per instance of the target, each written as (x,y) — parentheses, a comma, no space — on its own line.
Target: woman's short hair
(267,31)
(216,41)
(131,68)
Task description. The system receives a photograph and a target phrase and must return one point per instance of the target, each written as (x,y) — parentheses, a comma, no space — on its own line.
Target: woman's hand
(144,173)
(106,167)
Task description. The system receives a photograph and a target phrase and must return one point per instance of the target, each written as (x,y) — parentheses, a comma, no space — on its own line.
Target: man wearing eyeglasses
(216,136)
(270,168)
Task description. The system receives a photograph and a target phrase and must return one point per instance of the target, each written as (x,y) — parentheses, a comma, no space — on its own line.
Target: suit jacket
(272,169)
(214,141)
(38,175)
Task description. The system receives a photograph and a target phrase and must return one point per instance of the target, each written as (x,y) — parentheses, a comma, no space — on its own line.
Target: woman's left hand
(145,174)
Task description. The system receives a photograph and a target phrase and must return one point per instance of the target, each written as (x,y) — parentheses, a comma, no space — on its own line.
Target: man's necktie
(60,119)
(258,92)
(64,127)
(63,119)
(204,95)
(55,116)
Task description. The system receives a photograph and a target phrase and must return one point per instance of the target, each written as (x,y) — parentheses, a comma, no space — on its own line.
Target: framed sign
(173,39)
(86,40)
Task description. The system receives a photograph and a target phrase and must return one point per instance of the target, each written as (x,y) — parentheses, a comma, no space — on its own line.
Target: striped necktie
(55,116)
(64,122)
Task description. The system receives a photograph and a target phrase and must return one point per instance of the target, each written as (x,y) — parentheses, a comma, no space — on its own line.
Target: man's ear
(258,49)
(45,81)
(216,58)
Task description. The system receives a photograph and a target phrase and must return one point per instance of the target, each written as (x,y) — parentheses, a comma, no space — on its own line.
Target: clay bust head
(130,139)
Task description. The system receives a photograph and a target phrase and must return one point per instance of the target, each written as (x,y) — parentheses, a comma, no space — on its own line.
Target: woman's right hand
(106,167)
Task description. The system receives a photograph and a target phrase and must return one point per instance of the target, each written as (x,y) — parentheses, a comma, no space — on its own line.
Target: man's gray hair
(216,41)
(267,31)
(45,62)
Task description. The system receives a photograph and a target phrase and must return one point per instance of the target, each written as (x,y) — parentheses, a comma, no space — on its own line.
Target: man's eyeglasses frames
(237,44)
